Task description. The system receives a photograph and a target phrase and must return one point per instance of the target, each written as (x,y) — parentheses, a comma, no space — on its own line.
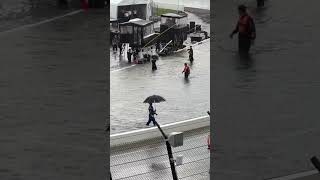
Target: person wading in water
(186,70)
(129,54)
(245,29)
(260,3)
(154,65)
(190,54)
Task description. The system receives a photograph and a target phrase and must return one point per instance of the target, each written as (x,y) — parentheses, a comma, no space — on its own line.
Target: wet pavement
(266,108)
(131,84)
(149,160)
(52,86)
(16,13)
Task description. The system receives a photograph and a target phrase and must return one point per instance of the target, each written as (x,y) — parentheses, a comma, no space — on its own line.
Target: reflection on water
(185,98)
(52,86)
(130,85)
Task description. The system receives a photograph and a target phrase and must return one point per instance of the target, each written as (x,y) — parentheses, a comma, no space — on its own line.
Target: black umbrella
(154,99)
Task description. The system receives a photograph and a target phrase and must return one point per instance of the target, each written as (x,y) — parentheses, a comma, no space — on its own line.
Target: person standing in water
(260,3)
(154,65)
(152,112)
(190,54)
(246,30)
(85,5)
(186,70)
(129,54)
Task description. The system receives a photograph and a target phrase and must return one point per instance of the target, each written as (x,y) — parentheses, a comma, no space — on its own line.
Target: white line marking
(116,70)
(163,126)
(41,22)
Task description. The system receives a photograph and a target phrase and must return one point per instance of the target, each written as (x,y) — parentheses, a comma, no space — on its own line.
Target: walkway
(149,160)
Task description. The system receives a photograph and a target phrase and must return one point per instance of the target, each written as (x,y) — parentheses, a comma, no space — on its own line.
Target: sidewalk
(149,160)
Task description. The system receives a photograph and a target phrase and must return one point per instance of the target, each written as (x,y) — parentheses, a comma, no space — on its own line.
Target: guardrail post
(315,161)
(171,160)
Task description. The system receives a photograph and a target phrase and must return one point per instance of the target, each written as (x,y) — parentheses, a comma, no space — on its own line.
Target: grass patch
(160,11)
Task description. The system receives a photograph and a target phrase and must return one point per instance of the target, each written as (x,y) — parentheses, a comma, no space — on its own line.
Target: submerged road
(185,99)
(266,107)
(53,97)
(131,84)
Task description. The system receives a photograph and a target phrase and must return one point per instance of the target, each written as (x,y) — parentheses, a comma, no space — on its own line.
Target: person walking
(154,65)
(186,70)
(190,54)
(245,29)
(152,112)
(129,54)
(135,55)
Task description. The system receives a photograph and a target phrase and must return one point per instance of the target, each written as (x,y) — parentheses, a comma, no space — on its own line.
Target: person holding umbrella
(152,112)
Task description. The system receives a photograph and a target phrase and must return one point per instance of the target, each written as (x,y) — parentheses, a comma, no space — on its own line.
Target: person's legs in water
(260,3)
(244,45)
(186,75)
(154,66)
(191,58)
(129,59)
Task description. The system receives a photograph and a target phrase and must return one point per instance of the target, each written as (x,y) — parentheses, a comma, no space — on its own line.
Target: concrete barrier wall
(153,132)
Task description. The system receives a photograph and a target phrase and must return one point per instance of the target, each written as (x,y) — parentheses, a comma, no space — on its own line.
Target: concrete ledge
(308,175)
(153,132)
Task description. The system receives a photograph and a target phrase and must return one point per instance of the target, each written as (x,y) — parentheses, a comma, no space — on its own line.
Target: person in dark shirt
(190,54)
(260,3)
(245,29)
(152,112)
(129,54)
(154,65)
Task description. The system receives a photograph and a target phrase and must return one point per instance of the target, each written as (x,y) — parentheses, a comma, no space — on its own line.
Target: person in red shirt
(85,5)
(245,29)
(186,70)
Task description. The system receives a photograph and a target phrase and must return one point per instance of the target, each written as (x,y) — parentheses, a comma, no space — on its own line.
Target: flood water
(266,107)
(52,95)
(131,85)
